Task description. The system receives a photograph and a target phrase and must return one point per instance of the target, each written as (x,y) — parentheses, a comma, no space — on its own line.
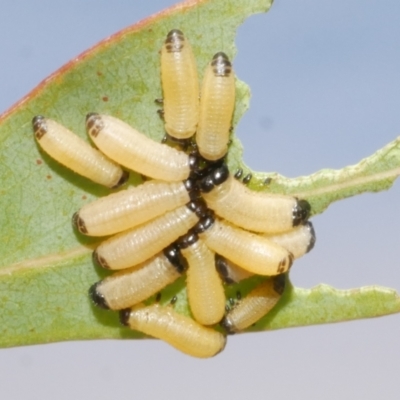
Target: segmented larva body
(136,245)
(180,85)
(120,211)
(129,287)
(216,108)
(254,211)
(132,149)
(205,291)
(179,331)
(248,250)
(258,303)
(298,241)
(74,153)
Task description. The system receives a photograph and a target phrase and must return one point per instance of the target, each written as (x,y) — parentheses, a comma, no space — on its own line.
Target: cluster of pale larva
(193,217)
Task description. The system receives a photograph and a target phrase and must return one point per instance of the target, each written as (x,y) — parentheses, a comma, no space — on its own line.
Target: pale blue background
(326,88)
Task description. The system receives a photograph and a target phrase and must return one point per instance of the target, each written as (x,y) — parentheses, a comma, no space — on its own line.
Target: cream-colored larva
(74,153)
(120,211)
(248,250)
(258,303)
(181,332)
(180,85)
(132,149)
(254,211)
(136,245)
(129,287)
(205,291)
(216,108)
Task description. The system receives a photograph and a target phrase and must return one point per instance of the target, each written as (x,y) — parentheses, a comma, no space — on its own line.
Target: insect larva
(298,241)
(120,211)
(248,250)
(255,305)
(132,149)
(254,211)
(74,153)
(179,331)
(216,108)
(180,85)
(129,287)
(205,291)
(136,245)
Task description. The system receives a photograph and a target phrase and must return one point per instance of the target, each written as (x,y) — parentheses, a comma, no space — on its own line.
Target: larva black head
(78,223)
(301,211)
(246,180)
(198,206)
(124,178)
(223,270)
(279,283)
(175,257)
(39,126)
(238,173)
(100,261)
(124,316)
(205,223)
(188,240)
(94,124)
(216,177)
(221,65)
(285,264)
(191,187)
(228,325)
(175,41)
(313,237)
(97,298)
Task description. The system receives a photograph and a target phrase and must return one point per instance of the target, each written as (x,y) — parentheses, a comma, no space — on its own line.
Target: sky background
(325,94)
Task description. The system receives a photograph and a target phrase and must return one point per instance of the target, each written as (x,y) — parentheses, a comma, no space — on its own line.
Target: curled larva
(254,211)
(216,108)
(298,241)
(179,331)
(136,245)
(180,85)
(120,211)
(74,153)
(126,288)
(132,149)
(255,305)
(205,291)
(250,251)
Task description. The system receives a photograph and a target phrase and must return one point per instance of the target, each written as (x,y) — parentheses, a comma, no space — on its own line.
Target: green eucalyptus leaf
(46,268)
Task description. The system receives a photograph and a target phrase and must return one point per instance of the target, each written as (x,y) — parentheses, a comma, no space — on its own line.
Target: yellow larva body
(132,149)
(179,331)
(205,291)
(129,287)
(74,153)
(248,250)
(120,211)
(180,85)
(299,240)
(216,108)
(258,212)
(136,245)
(258,303)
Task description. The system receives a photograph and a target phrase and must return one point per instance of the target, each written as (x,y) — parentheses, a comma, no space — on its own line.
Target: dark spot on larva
(159,101)
(313,237)
(188,240)
(199,207)
(227,324)
(94,124)
(247,179)
(158,297)
(222,269)
(39,162)
(124,316)
(97,297)
(39,126)
(267,181)
(238,295)
(279,283)
(105,98)
(161,114)
(173,300)
(78,223)
(175,41)
(174,256)
(124,178)
(301,211)
(238,173)
(98,260)
(221,65)
(205,223)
